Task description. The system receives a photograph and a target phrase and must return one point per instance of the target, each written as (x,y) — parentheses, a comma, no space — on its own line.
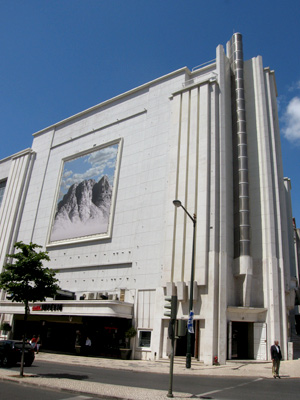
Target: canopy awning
(96,308)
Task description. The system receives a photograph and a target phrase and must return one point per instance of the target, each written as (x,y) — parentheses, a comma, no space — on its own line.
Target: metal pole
(170,391)
(177,203)
(189,334)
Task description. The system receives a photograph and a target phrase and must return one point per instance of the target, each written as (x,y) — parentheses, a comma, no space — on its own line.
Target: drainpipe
(243,256)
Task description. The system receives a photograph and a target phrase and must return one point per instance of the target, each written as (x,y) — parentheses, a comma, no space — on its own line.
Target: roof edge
(113,99)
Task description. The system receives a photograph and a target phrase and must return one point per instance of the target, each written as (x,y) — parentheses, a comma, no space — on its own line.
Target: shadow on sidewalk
(63,376)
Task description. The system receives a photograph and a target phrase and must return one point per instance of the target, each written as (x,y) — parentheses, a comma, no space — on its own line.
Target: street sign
(190,323)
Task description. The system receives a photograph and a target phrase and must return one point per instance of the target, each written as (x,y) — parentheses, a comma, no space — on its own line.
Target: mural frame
(88,237)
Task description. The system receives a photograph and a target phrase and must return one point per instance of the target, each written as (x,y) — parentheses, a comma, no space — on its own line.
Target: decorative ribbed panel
(12,204)
(195,183)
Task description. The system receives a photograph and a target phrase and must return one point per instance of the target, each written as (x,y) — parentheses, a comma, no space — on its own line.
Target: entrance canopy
(246,313)
(97,308)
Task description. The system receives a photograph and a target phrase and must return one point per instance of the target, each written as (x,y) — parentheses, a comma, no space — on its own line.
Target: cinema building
(96,191)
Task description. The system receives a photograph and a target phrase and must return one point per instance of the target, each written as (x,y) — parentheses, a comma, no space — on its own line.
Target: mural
(85,195)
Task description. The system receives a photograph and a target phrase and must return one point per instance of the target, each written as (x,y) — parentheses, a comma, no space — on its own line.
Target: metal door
(260,341)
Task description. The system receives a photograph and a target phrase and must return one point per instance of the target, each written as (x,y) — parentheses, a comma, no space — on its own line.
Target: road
(14,391)
(210,387)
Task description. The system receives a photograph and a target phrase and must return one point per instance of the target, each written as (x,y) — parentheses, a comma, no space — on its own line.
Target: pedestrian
(78,342)
(33,341)
(88,345)
(38,344)
(276,357)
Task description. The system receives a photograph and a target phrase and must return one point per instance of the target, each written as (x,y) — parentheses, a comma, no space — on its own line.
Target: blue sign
(190,323)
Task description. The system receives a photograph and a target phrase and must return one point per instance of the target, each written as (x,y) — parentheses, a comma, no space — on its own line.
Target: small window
(145,339)
(2,188)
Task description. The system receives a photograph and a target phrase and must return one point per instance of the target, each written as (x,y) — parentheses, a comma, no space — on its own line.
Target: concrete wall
(175,142)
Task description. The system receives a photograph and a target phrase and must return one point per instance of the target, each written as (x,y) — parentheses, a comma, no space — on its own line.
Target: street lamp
(177,203)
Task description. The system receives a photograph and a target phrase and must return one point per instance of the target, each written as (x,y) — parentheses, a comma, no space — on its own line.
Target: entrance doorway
(181,341)
(242,340)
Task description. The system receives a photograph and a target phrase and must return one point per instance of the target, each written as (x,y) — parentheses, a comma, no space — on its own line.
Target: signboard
(48,307)
(190,323)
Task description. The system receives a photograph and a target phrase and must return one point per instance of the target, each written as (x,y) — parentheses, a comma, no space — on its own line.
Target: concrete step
(180,360)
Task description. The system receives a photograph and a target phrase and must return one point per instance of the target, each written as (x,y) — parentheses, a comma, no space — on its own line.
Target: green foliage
(5,327)
(131,332)
(27,280)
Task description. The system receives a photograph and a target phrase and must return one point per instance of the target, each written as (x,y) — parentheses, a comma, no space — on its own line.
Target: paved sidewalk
(255,369)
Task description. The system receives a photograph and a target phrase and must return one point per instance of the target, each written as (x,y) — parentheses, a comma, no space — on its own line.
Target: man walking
(276,358)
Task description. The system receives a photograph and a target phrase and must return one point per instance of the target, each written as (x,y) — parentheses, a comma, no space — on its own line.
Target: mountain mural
(84,210)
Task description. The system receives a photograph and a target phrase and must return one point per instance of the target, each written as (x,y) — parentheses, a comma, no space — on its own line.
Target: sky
(60,57)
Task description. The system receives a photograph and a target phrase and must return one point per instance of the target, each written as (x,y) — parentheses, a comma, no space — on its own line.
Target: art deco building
(96,190)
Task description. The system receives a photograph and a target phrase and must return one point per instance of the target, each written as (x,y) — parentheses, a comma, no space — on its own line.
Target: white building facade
(96,191)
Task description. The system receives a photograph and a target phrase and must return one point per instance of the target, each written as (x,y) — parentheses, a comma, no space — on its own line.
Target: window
(144,338)
(2,189)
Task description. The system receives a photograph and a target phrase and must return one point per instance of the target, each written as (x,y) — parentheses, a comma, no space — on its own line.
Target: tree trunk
(24,339)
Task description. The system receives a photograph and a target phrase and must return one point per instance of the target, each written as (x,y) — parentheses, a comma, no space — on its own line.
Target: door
(181,344)
(260,341)
(242,340)
(229,355)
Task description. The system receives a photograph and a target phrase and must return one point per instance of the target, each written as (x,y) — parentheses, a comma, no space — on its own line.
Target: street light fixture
(177,203)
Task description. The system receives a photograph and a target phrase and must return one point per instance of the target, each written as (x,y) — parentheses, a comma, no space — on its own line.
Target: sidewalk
(255,369)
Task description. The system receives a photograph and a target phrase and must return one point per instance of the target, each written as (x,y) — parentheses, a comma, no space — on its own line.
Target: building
(96,191)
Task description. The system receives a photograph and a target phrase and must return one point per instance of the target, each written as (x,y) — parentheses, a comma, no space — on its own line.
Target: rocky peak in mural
(84,210)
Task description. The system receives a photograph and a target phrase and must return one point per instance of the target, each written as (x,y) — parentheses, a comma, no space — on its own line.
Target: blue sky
(60,57)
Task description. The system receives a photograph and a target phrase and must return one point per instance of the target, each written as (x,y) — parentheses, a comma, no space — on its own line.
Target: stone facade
(178,137)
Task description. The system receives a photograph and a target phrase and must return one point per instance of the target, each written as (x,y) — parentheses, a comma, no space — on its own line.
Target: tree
(27,280)
(5,327)
(130,333)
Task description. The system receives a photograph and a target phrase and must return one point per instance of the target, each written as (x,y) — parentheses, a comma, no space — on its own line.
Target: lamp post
(177,203)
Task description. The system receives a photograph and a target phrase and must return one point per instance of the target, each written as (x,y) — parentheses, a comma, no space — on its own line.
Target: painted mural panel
(85,196)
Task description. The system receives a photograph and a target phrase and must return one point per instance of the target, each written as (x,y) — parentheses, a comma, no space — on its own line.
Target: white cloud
(280,102)
(291,120)
(294,86)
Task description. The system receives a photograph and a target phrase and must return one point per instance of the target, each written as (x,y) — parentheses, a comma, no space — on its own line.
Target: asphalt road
(15,391)
(209,387)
